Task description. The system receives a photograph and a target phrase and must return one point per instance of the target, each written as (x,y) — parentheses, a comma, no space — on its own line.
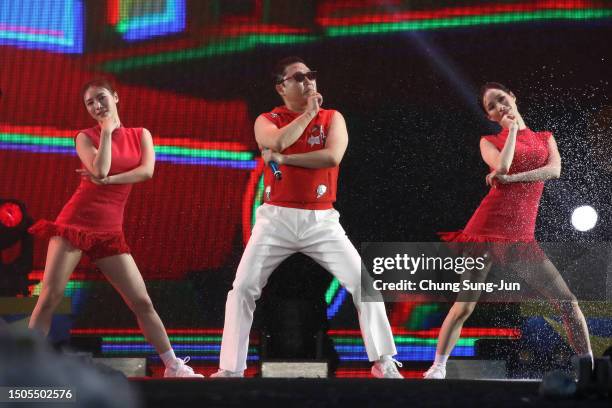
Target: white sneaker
(386,369)
(180,369)
(227,374)
(435,372)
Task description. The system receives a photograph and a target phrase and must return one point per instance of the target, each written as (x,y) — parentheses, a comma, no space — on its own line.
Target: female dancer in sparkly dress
(520,161)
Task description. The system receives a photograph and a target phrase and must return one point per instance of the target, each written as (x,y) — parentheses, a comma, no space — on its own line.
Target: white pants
(278,233)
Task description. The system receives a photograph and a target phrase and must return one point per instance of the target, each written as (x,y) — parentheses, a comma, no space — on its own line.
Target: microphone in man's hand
(274,167)
(319,97)
(275,170)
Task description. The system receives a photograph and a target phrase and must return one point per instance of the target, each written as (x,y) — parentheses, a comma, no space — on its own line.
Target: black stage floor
(294,393)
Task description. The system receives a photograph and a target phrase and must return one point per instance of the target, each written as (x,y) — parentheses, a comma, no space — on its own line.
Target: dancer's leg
(546,279)
(62,258)
(122,272)
(453,323)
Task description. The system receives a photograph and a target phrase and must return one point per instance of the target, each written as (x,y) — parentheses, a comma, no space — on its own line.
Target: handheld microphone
(275,170)
(274,167)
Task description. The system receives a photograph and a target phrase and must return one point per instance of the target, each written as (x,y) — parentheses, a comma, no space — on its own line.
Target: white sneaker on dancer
(227,374)
(180,370)
(435,372)
(386,368)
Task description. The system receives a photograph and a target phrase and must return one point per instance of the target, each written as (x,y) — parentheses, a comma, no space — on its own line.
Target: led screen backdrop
(52,25)
(196,74)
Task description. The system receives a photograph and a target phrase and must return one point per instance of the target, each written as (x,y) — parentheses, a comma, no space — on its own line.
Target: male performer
(307,143)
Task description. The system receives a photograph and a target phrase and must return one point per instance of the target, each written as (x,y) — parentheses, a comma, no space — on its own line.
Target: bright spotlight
(584,218)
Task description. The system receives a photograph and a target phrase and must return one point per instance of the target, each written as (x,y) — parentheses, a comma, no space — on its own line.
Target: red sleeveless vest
(311,189)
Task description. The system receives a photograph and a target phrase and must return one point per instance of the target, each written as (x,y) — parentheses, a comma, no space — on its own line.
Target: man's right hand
(315,100)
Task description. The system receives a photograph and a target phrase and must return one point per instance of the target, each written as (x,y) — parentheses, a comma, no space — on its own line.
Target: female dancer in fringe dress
(113,158)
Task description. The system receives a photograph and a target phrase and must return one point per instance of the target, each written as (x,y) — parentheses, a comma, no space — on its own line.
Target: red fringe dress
(92,220)
(508,212)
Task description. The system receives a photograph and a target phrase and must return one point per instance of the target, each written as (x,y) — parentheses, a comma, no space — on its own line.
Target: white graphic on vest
(268,189)
(317,136)
(321,189)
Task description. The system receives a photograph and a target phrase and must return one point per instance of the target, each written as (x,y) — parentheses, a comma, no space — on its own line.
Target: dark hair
(98,83)
(281,66)
(486,87)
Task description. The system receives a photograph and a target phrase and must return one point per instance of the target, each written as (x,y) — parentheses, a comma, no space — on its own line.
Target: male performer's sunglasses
(300,76)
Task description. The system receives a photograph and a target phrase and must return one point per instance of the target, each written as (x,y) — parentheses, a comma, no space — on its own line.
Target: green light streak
(257,199)
(228,46)
(71,287)
(331,291)
(19,138)
(141,339)
(141,350)
(467,341)
(464,21)
(213,154)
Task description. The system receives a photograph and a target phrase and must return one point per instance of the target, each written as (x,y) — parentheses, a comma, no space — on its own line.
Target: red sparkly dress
(508,212)
(92,220)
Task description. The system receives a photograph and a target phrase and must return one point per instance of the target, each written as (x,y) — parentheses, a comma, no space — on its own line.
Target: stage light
(10,215)
(16,248)
(584,218)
